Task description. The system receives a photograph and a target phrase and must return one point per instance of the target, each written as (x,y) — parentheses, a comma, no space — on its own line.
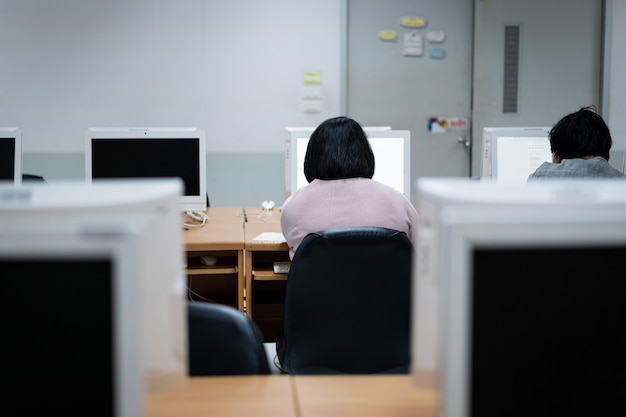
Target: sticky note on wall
(387,35)
(413,22)
(312,77)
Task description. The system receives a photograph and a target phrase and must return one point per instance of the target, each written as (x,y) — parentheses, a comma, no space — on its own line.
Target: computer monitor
(152,152)
(292,158)
(11,155)
(67,242)
(518,296)
(392,154)
(513,153)
(70,314)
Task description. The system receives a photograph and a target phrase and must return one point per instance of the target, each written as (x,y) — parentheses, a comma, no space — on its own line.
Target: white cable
(199,217)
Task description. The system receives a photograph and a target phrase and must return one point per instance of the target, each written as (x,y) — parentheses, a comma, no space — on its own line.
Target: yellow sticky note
(312,78)
(387,35)
(413,22)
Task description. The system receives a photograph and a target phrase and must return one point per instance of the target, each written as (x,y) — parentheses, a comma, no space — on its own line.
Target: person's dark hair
(338,148)
(579,134)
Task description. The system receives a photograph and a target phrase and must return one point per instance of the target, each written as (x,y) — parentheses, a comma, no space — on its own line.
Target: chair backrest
(348,303)
(223,341)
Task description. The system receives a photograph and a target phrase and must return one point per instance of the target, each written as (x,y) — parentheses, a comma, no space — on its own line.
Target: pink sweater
(325,204)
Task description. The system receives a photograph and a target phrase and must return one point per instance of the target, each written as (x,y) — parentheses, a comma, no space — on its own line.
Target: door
(409,66)
(534,62)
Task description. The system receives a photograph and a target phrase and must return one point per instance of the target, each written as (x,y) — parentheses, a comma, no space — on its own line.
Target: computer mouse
(208,260)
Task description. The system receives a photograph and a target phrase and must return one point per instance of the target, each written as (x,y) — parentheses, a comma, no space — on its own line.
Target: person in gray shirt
(580,144)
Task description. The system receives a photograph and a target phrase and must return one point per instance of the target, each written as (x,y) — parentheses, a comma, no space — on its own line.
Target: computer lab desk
(229,234)
(265,290)
(302,396)
(223,237)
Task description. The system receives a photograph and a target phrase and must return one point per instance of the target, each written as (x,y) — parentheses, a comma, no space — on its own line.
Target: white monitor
(292,135)
(133,226)
(153,152)
(518,296)
(513,153)
(11,155)
(392,154)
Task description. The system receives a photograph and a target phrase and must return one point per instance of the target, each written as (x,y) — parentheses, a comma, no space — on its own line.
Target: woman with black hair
(339,166)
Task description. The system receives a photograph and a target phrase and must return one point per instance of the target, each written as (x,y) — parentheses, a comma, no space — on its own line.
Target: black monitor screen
(7,159)
(548,332)
(57,337)
(148,158)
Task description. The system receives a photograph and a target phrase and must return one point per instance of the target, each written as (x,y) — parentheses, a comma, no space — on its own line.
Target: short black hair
(338,148)
(579,134)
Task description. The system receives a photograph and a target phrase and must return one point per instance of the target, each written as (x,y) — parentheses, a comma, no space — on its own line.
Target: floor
(270,350)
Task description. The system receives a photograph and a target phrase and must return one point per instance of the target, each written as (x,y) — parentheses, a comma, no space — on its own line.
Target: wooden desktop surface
(257,214)
(224,230)
(362,396)
(232,396)
(261,221)
(302,396)
(232,228)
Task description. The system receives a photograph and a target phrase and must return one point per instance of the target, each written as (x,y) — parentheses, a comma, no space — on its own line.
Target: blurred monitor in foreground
(519,297)
(93,301)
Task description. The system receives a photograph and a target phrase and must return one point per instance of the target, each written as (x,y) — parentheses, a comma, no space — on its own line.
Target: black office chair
(348,303)
(223,341)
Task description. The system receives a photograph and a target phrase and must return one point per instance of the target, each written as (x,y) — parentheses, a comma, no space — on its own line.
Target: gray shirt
(596,167)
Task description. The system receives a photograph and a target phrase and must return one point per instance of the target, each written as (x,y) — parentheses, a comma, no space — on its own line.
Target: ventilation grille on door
(511,69)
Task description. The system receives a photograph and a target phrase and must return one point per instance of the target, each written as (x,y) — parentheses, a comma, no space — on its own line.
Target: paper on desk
(270,237)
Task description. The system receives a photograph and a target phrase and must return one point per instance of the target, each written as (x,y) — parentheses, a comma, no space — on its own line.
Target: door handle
(465,141)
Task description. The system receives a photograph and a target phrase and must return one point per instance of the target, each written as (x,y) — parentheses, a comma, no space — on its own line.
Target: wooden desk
(223,237)
(363,396)
(231,396)
(265,290)
(302,396)
(230,236)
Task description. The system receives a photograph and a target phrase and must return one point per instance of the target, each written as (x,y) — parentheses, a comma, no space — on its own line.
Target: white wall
(234,68)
